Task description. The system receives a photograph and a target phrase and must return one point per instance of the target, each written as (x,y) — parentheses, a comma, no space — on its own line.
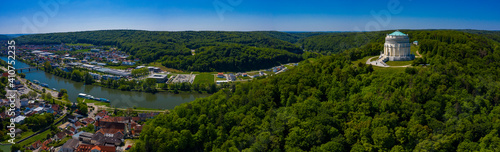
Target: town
(104,62)
(47,121)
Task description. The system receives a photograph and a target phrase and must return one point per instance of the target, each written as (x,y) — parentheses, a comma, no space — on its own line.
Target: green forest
(331,104)
(173,49)
(231,57)
(338,42)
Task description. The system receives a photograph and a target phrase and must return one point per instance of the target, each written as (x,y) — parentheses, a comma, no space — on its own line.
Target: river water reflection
(118,98)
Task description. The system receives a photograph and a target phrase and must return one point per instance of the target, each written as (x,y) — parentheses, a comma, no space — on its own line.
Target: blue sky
(34,16)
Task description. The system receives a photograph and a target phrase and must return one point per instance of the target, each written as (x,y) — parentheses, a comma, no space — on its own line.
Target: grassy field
(399,63)
(23,135)
(121,67)
(217,78)
(81,51)
(204,78)
(252,73)
(79,44)
(414,49)
(268,72)
(40,136)
(138,109)
(289,66)
(312,60)
(244,78)
(94,101)
(5,147)
(59,143)
(363,60)
(156,64)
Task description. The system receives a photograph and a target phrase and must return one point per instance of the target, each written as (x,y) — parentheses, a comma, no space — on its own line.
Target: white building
(397,48)
(19,119)
(160,78)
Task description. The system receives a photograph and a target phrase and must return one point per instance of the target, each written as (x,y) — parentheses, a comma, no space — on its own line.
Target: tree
(32,94)
(62,92)
(382,138)
(24,96)
(49,96)
(65,97)
(76,75)
(129,112)
(89,128)
(330,104)
(140,72)
(82,108)
(88,78)
(150,85)
(15,147)
(47,66)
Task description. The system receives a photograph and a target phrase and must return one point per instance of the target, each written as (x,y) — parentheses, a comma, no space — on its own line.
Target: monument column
(393,50)
(385,49)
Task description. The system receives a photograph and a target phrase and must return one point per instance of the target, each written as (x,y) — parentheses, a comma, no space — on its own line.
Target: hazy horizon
(54,16)
(239,31)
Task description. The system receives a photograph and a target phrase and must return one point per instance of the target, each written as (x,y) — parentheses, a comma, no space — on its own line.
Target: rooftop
(397,33)
(71,144)
(158,76)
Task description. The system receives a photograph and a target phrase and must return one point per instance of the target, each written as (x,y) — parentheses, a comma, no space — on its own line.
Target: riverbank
(118,98)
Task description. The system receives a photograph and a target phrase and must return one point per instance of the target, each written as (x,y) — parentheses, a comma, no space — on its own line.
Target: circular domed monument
(397,48)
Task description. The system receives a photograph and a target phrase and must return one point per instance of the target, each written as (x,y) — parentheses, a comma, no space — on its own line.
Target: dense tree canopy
(173,47)
(338,42)
(329,104)
(233,57)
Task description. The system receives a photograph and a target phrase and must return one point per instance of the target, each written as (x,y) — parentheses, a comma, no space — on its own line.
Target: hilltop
(331,104)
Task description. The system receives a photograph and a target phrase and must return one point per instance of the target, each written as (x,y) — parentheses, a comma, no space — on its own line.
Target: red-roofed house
(78,124)
(92,148)
(101,115)
(88,121)
(36,145)
(220,75)
(45,143)
(59,136)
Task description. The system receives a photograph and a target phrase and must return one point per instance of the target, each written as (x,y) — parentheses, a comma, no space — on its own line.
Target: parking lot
(184,78)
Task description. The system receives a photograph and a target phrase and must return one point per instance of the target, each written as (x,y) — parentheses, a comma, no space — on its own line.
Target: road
(93,112)
(54,93)
(98,107)
(419,56)
(375,63)
(40,131)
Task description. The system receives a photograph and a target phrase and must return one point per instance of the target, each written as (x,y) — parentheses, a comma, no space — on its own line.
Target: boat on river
(104,100)
(87,96)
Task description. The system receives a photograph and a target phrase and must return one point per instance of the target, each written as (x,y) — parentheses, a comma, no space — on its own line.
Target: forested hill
(9,36)
(328,43)
(256,48)
(495,35)
(4,37)
(291,37)
(329,104)
(337,42)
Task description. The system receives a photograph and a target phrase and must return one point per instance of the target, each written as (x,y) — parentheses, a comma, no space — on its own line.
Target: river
(118,98)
